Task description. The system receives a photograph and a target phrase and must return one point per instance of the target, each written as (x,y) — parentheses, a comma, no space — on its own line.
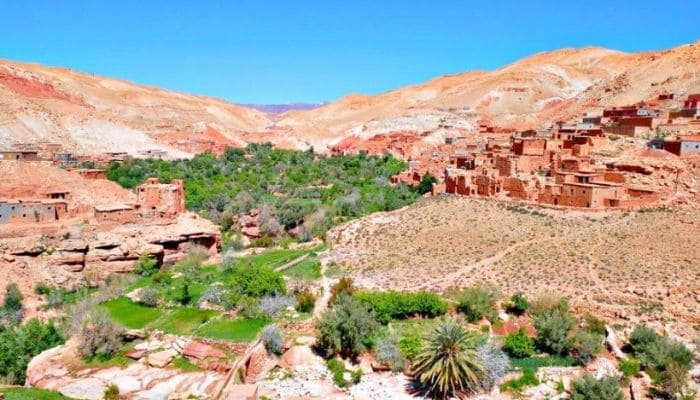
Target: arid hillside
(640,265)
(90,114)
(543,88)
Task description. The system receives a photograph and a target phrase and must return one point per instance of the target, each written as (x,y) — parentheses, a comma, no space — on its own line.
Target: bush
(594,324)
(495,362)
(306,301)
(249,308)
(337,369)
(274,305)
(388,354)
(630,367)
(148,296)
(518,304)
(344,285)
(19,344)
(42,289)
(258,281)
(410,346)
(519,345)
(12,310)
(146,265)
(528,378)
(346,328)
(590,388)
(273,340)
(214,294)
(587,344)
(112,392)
(98,335)
(479,301)
(400,305)
(553,330)
(656,352)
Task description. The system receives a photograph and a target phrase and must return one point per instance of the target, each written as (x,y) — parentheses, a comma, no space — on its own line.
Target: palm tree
(449,364)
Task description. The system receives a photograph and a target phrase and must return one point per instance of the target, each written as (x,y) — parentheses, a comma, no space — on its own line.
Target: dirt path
(450,279)
(322,301)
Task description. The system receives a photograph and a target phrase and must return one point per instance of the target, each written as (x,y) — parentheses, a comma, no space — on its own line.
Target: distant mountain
(91,114)
(281,108)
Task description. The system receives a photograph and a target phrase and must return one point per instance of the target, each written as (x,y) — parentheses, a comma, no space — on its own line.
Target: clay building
(119,213)
(32,211)
(19,155)
(160,200)
(683,145)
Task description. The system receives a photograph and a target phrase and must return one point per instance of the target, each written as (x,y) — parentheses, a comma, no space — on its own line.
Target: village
(564,165)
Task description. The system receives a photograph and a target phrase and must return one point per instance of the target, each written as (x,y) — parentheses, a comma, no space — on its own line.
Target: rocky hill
(92,114)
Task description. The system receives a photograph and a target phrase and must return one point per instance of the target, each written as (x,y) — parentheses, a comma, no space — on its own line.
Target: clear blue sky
(284,51)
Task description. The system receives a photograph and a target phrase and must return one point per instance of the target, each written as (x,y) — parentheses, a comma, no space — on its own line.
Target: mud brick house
(119,213)
(683,145)
(88,173)
(19,155)
(20,211)
(691,108)
(159,200)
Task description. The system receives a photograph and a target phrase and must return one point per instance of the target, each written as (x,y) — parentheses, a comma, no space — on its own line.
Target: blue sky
(311,51)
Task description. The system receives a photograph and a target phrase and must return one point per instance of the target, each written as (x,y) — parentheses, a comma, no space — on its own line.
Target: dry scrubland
(639,265)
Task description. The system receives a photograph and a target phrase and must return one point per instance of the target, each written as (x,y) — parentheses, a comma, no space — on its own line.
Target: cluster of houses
(555,166)
(155,202)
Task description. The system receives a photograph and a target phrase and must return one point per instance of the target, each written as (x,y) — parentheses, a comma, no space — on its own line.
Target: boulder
(297,355)
(136,354)
(201,351)
(162,358)
(84,388)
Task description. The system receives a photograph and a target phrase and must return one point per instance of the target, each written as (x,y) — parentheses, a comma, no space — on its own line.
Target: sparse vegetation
(478,302)
(590,388)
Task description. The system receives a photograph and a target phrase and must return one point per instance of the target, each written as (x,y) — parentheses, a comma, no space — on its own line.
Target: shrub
(42,289)
(400,305)
(214,294)
(553,330)
(594,324)
(519,345)
(337,369)
(344,285)
(590,388)
(249,307)
(410,346)
(258,281)
(273,340)
(148,296)
(305,301)
(346,328)
(274,305)
(518,304)
(630,367)
(656,352)
(674,383)
(356,376)
(587,344)
(98,335)
(388,354)
(547,302)
(479,301)
(449,364)
(12,310)
(112,392)
(495,362)
(146,265)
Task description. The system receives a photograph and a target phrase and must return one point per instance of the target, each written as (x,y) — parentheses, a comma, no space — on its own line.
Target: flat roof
(113,207)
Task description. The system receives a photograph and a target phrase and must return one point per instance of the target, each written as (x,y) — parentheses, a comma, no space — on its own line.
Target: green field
(238,330)
(308,270)
(183,321)
(17,393)
(130,314)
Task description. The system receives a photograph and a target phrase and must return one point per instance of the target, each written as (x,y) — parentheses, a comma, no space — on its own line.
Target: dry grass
(639,265)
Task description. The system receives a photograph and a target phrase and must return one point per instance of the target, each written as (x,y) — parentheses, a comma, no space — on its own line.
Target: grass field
(183,321)
(17,393)
(130,314)
(239,330)
(308,270)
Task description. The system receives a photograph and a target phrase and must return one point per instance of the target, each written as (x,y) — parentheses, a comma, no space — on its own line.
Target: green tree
(258,281)
(347,328)
(12,309)
(587,345)
(449,365)
(590,388)
(426,184)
